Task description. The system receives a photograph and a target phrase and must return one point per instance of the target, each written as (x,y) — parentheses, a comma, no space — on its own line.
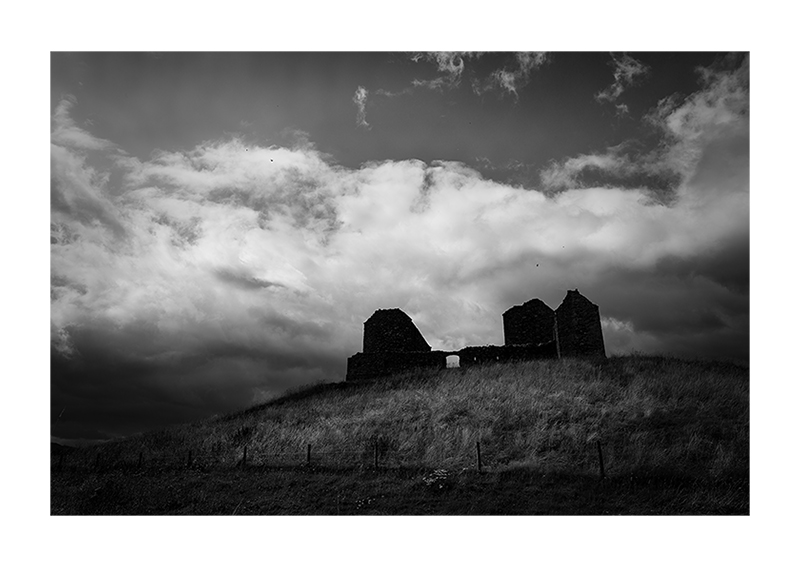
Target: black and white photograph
(425,283)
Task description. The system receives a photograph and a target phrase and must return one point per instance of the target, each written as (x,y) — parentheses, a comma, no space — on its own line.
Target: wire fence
(369,457)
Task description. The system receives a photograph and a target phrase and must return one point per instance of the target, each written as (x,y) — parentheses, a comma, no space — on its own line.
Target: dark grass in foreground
(675,436)
(395,492)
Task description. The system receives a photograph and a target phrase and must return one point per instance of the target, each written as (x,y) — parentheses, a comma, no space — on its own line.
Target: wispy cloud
(360,100)
(564,175)
(450,65)
(626,72)
(517,77)
(67,133)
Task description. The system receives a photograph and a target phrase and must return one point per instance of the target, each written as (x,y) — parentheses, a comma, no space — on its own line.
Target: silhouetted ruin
(532,323)
(578,330)
(391,330)
(393,344)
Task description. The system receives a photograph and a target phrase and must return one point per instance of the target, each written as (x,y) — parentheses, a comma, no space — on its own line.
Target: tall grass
(652,415)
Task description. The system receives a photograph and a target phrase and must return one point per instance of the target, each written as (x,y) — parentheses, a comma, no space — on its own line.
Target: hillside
(657,420)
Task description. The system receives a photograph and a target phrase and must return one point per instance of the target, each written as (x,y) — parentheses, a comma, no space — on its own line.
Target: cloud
(703,152)
(200,281)
(564,175)
(626,71)
(68,134)
(360,100)
(450,65)
(511,80)
(621,167)
(716,115)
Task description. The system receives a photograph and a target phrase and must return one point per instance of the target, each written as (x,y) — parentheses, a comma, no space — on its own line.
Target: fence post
(308,454)
(478,449)
(140,460)
(600,457)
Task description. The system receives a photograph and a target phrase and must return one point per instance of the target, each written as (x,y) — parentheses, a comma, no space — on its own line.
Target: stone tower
(532,323)
(578,329)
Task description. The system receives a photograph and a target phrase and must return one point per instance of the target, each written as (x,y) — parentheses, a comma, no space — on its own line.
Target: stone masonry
(578,330)
(532,323)
(393,344)
(391,330)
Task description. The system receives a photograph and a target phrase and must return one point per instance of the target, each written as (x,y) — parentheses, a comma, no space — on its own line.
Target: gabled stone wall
(391,330)
(578,329)
(532,323)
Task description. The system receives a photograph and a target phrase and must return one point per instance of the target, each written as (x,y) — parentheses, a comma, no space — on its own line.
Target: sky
(222,224)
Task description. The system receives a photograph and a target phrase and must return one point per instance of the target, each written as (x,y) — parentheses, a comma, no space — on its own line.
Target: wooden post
(140,459)
(376,453)
(244,457)
(308,454)
(478,448)
(600,456)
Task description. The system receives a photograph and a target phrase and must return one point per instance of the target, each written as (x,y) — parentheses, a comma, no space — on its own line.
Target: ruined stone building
(392,343)
(532,323)
(391,330)
(578,330)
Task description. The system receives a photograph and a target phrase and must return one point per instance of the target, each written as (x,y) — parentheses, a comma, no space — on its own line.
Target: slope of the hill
(652,416)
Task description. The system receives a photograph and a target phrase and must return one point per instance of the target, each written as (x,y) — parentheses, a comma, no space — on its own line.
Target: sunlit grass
(652,415)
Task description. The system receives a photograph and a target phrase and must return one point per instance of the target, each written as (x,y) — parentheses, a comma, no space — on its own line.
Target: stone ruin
(578,331)
(533,323)
(392,343)
(391,330)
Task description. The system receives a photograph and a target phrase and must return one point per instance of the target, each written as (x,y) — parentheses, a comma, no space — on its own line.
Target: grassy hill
(677,430)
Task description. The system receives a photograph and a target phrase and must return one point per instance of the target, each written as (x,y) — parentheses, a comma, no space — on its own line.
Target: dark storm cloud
(728,265)
(115,380)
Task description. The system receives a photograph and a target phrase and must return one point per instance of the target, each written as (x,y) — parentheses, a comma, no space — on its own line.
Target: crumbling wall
(476,355)
(362,366)
(391,330)
(578,329)
(532,323)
